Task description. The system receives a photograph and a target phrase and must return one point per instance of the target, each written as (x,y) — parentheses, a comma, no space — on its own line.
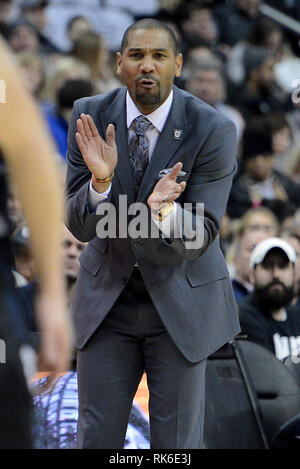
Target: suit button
(136,245)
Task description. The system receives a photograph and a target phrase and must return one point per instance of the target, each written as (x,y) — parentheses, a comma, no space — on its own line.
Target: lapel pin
(177,133)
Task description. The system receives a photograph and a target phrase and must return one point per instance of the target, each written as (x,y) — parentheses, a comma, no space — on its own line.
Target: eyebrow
(156,49)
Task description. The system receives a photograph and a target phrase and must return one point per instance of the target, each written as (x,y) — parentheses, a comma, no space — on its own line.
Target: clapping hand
(100,156)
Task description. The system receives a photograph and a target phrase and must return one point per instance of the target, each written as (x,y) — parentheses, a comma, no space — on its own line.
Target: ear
(178,65)
(119,64)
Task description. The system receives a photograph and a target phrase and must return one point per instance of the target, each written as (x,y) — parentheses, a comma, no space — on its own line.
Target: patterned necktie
(138,149)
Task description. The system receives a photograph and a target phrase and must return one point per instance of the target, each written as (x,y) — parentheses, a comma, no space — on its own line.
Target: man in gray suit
(160,302)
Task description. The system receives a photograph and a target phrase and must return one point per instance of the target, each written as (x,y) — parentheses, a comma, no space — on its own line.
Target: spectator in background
(266,315)
(294,240)
(255,219)
(245,245)
(277,125)
(77,26)
(235,21)
(33,73)
(72,248)
(5,10)
(269,34)
(24,265)
(293,118)
(91,49)
(205,80)
(258,94)
(23,37)
(284,211)
(28,285)
(63,69)
(198,26)
(58,120)
(14,207)
(261,219)
(257,179)
(34,11)
(266,34)
(198,54)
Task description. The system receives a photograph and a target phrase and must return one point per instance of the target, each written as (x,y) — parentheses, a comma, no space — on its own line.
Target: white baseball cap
(261,250)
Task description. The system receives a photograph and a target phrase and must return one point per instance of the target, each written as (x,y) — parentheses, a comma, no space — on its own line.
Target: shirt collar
(157,118)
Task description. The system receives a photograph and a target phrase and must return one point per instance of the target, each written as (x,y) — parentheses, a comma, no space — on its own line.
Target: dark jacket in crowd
(282,338)
(239,199)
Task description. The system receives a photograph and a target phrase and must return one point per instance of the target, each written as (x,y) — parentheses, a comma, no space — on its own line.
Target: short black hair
(150,23)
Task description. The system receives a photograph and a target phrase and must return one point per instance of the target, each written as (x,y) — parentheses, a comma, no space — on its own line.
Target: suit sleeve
(203,204)
(79,219)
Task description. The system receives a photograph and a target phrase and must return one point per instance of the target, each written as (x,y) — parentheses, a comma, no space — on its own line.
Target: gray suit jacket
(190,288)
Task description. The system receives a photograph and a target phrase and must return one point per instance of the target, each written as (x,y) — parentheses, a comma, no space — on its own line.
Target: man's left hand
(167,189)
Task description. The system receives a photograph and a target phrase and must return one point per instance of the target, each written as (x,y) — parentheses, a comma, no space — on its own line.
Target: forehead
(67,236)
(208,72)
(148,39)
(260,219)
(252,238)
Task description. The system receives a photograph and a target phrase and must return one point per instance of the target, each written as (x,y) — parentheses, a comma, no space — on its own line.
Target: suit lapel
(167,145)
(116,114)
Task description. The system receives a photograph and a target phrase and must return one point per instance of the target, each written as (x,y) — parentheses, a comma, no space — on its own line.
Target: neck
(241,278)
(66,114)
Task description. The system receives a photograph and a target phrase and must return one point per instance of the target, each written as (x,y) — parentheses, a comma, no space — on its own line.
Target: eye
(136,55)
(159,55)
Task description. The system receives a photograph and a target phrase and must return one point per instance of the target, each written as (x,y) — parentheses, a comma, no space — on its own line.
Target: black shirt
(282,338)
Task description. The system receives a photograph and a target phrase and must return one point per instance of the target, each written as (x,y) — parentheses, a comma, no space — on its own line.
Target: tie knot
(140,125)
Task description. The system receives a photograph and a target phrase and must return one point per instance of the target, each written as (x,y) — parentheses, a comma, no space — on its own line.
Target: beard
(271,300)
(148,99)
(70,280)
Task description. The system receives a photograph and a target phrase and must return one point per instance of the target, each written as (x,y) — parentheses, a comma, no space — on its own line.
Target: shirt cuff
(94,198)
(167,226)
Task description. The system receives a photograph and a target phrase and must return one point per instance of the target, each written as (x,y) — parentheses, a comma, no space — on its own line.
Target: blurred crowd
(236,59)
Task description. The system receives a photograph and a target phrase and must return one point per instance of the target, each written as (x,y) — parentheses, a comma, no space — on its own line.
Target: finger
(110,135)
(175,170)
(173,196)
(182,186)
(86,126)
(93,127)
(81,130)
(81,144)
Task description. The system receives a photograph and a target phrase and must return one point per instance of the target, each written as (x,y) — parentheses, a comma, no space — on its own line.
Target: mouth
(147,83)
(69,264)
(276,286)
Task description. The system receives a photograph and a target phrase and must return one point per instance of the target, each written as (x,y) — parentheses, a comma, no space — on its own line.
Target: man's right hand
(100,157)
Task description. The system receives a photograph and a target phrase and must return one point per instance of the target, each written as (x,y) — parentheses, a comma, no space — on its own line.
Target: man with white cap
(266,315)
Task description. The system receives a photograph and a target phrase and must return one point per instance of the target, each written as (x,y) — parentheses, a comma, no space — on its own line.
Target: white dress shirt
(158,119)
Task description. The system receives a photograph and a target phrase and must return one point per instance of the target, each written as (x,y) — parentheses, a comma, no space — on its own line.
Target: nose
(147,65)
(276,272)
(72,251)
